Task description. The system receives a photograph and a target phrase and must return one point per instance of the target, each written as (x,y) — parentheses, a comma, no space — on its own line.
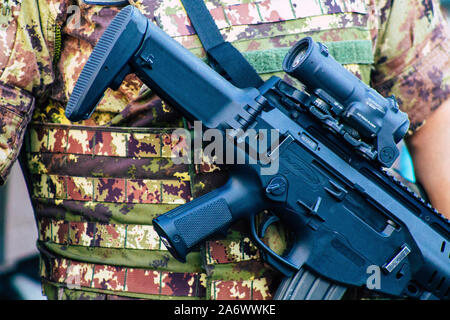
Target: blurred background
(19,260)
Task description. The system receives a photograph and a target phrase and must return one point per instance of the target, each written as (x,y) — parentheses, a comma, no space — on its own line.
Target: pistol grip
(184,227)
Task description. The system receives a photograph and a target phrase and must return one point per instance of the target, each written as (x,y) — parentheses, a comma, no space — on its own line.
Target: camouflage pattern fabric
(96,185)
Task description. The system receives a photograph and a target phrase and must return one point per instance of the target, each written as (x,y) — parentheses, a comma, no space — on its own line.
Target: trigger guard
(268,221)
(278,262)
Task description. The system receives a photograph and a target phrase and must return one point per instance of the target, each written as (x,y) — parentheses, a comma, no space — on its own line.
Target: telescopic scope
(362,107)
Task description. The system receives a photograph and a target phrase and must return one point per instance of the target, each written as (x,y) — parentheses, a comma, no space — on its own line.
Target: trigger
(266,223)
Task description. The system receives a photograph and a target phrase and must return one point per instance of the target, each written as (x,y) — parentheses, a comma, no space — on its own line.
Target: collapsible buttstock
(108,64)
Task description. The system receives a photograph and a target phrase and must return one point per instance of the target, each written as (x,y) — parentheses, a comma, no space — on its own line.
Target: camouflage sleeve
(28,34)
(413,56)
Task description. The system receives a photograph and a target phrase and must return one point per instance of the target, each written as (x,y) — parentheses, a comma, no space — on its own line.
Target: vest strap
(92,234)
(122,280)
(143,283)
(224,58)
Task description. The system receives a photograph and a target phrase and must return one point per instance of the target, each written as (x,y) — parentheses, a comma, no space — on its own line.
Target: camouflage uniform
(96,185)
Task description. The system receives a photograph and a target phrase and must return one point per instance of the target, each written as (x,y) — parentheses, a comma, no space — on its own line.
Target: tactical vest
(96,185)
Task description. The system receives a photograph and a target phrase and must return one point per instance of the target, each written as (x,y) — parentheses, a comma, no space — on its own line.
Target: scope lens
(297,56)
(300,56)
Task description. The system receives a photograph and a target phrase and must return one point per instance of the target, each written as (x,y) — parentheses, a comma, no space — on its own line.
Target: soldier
(96,185)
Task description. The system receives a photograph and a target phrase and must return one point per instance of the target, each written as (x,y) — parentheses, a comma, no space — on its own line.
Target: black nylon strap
(225,58)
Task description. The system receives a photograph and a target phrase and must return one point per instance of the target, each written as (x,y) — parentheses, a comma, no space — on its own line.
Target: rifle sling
(224,58)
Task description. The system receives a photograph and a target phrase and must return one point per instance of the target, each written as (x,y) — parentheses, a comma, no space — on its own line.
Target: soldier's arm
(430,148)
(27,51)
(413,63)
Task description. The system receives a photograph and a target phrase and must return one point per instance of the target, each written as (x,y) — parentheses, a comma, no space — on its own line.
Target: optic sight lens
(299,57)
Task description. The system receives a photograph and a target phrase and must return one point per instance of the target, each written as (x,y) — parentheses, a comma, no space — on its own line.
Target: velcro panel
(345,52)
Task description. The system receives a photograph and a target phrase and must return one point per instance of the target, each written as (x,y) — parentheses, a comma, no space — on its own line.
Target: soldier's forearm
(430,149)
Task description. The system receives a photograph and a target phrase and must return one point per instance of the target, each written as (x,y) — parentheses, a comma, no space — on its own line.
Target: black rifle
(344,212)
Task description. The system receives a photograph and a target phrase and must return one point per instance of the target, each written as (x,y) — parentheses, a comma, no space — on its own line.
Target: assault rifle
(345,213)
